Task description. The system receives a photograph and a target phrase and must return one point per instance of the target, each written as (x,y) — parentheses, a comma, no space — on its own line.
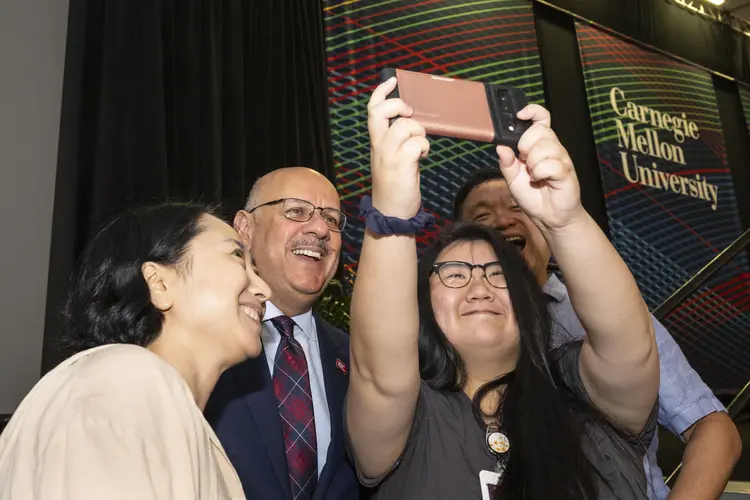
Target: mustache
(312,244)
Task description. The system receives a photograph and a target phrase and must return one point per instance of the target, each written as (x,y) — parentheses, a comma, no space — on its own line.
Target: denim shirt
(683,397)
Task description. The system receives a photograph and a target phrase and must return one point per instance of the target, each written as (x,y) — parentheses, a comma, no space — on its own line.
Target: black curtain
(181,100)
(737,140)
(565,95)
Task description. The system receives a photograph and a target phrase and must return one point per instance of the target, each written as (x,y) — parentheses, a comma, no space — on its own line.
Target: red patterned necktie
(291,383)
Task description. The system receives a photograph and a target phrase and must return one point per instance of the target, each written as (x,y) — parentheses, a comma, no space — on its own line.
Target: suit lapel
(334,357)
(254,377)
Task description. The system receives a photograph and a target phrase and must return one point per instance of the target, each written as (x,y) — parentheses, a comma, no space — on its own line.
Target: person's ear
(161,282)
(244,223)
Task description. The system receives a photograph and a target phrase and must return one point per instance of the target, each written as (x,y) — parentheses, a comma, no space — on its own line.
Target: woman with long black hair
(454,392)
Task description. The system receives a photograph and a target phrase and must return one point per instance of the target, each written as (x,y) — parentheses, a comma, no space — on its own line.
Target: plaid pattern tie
(291,383)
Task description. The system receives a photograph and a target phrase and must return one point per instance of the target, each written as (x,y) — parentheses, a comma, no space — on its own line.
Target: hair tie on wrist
(383,225)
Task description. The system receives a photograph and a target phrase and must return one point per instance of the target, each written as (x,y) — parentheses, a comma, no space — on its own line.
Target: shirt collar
(303,321)
(554,288)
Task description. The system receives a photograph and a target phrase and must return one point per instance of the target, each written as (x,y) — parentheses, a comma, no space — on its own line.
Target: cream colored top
(110,423)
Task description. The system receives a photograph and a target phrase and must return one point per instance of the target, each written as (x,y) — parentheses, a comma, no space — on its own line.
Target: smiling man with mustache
(687,407)
(280,417)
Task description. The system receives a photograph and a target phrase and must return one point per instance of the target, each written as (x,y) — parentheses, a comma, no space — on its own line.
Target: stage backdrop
(745,99)
(488,40)
(669,195)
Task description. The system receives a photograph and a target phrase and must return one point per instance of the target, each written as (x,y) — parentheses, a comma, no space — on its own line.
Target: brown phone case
(463,109)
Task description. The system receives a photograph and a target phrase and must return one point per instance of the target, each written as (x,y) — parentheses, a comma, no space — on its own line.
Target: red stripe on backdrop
(710,312)
(391,62)
(430,30)
(662,207)
(433,39)
(375,76)
(682,311)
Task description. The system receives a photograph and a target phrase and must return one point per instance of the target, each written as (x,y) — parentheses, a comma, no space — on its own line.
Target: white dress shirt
(306,333)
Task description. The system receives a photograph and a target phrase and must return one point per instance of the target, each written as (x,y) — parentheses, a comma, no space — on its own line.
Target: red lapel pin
(341,366)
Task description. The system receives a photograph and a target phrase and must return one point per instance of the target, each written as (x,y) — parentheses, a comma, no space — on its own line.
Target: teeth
(250,312)
(309,253)
(513,239)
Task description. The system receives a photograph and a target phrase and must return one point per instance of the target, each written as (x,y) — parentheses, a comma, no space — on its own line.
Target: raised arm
(384,379)
(619,360)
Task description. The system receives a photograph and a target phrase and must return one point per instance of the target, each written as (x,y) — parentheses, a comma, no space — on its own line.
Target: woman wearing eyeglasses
(454,392)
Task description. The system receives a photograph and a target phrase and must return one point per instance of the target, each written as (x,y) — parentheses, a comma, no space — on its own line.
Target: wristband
(383,225)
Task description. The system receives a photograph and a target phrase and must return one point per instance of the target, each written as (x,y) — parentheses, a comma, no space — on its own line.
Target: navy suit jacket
(243,412)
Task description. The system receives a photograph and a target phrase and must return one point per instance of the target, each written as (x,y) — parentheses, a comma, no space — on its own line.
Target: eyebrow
(237,243)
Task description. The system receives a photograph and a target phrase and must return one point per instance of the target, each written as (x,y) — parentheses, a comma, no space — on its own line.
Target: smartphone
(462,109)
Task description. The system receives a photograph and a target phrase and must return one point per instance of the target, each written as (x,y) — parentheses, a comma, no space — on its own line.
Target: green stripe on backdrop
(708,86)
(693,74)
(671,84)
(421,14)
(370,5)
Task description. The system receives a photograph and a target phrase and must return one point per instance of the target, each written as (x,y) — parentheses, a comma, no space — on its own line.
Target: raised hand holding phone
(541,178)
(395,151)
(462,109)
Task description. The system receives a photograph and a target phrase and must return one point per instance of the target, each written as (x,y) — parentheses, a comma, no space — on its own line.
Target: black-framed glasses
(457,274)
(302,211)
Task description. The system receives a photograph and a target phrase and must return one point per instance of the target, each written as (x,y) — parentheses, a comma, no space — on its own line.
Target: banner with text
(488,40)
(669,196)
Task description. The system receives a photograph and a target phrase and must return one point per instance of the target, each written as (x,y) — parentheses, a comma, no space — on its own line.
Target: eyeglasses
(302,211)
(457,274)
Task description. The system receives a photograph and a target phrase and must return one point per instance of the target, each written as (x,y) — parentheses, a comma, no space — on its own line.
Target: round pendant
(498,442)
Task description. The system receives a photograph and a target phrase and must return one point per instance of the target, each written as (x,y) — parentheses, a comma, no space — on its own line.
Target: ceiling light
(716,2)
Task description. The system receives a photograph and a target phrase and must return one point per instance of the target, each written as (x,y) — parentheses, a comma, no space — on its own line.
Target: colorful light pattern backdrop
(664,235)
(745,99)
(491,40)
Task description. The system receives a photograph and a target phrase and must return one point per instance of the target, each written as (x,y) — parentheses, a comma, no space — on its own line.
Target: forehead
(489,194)
(215,231)
(474,252)
(308,186)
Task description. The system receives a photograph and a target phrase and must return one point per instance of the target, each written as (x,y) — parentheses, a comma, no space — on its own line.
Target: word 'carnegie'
(649,143)
(680,126)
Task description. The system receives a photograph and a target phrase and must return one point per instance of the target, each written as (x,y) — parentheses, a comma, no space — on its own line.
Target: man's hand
(542,179)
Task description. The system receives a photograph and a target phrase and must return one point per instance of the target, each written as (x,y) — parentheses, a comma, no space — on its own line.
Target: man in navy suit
(279,416)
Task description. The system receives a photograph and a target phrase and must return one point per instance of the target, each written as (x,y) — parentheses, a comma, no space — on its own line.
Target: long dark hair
(536,411)
(108,300)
